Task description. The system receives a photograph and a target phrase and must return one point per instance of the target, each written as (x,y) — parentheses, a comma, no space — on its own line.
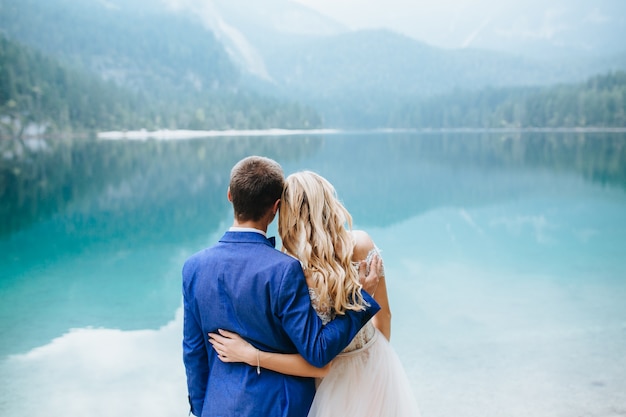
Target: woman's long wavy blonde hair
(312,226)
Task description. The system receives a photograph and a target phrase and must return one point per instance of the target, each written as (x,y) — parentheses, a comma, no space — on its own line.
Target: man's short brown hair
(256,183)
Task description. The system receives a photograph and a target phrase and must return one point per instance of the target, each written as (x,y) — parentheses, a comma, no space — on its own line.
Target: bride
(367,378)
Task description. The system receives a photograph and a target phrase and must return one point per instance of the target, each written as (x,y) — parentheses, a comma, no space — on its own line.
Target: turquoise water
(505,255)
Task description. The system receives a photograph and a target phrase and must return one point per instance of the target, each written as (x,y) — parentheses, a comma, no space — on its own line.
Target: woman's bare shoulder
(363,245)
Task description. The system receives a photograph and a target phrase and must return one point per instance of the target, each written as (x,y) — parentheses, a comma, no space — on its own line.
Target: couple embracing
(293,333)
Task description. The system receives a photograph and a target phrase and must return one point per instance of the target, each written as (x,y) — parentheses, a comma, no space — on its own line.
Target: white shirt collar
(246,229)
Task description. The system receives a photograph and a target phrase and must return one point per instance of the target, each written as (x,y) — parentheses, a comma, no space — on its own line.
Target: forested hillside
(43,95)
(138,48)
(38,92)
(599,102)
(74,66)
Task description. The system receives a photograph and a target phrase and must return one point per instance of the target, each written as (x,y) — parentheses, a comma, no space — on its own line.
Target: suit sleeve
(318,344)
(195,355)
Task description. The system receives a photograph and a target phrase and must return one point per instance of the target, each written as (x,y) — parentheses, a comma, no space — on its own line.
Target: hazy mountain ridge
(324,63)
(294,48)
(356,77)
(380,61)
(185,53)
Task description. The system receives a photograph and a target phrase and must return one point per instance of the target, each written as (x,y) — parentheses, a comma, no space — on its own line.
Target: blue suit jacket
(244,285)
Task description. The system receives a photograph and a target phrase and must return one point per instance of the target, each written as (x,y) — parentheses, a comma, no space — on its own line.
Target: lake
(505,255)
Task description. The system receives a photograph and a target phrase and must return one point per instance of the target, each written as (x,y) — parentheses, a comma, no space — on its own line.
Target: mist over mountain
(539,28)
(384,62)
(547,28)
(356,77)
(300,51)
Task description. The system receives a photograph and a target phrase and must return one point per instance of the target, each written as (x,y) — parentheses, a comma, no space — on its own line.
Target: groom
(244,285)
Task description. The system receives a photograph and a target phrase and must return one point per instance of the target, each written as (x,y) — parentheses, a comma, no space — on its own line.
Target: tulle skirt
(368,382)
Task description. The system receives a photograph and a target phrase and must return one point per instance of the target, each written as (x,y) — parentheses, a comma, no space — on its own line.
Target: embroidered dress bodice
(326,313)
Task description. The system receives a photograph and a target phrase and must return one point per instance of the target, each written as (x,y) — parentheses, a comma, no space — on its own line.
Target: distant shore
(165,134)
(192,134)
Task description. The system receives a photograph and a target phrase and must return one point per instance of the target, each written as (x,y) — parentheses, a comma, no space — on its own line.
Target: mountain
(139,47)
(178,75)
(351,76)
(270,63)
(299,52)
(249,30)
(357,78)
(380,61)
(282,46)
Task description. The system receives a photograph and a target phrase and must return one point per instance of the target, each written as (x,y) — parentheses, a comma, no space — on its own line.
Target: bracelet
(258,362)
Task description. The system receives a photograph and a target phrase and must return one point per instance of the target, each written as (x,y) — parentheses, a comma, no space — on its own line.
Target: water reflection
(139,184)
(106,372)
(95,232)
(494,320)
(504,252)
(127,184)
(409,174)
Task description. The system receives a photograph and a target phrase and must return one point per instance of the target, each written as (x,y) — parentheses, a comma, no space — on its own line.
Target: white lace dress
(366,380)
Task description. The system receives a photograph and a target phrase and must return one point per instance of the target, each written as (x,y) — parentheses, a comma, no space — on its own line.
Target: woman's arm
(231,347)
(382,320)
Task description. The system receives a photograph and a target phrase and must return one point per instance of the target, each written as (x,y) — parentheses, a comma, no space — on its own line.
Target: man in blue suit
(244,285)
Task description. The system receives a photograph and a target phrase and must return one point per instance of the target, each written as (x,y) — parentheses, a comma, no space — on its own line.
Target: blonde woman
(367,378)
